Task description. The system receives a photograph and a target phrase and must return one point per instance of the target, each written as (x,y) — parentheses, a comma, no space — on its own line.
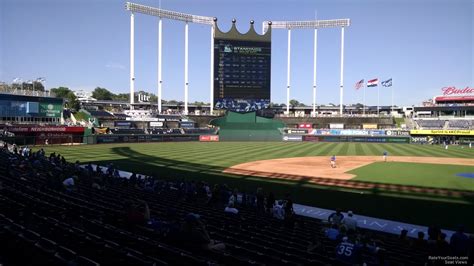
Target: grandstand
(88,225)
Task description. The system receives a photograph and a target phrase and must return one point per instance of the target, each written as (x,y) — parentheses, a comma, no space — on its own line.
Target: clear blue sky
(422,44)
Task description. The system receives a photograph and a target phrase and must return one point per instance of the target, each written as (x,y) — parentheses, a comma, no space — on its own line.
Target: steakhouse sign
(448,91)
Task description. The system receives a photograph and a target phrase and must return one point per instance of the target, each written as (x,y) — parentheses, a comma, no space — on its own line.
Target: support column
(186,81)
(132,60)
(341,86)
(314,70)
(160,81)
(288,74)
(212,72)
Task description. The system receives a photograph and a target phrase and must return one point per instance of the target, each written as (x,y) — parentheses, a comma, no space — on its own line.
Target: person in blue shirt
(333,161)
(348,253)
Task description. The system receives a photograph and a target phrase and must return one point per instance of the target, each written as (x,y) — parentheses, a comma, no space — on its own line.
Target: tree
(61,92)
(72,102)
(121,97)
(294,103)
(102,94)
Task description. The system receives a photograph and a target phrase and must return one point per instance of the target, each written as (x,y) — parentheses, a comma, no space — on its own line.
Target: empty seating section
(430,124)
(101,114)
(165,131)
(41,223)
(461,124)
(127,131)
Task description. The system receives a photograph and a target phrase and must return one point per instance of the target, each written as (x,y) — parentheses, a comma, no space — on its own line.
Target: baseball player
(333,161)
(385,154)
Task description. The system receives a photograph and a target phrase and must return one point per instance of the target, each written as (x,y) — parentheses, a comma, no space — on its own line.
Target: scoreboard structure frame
(212,22)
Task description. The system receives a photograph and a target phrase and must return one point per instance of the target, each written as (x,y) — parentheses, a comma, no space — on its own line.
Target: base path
(319,167)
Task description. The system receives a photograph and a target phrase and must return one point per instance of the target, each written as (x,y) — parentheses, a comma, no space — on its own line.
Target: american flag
(359,84)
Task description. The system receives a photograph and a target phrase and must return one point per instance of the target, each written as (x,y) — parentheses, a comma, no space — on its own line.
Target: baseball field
(420,184)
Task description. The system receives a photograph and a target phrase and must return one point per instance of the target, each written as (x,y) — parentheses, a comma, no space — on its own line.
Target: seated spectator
(459,242)
(137,213)
(233,198)
(278,210)
(194,233)
(336,217)
(349,221)
(69,183)
(231,209)
(333,232)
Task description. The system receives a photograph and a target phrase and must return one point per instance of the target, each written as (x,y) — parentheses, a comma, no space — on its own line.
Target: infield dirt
(319,167)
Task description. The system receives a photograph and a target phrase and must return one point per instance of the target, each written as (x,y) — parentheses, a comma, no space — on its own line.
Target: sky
(423,45)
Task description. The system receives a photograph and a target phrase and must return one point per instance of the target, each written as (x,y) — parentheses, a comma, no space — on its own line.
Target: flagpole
(364,88)
(378,100)
(392,100)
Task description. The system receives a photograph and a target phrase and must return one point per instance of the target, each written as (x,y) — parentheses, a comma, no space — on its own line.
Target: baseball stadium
(110,178)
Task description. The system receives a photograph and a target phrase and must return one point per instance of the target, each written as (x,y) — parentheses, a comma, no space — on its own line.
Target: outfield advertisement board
(143,138)
(443,132)
(209,138)
(292,138)
(372,139)
(298,131)
(336,126)
(348,132)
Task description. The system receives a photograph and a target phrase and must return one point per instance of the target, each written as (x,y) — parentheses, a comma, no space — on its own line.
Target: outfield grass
(205,161)
(416,174)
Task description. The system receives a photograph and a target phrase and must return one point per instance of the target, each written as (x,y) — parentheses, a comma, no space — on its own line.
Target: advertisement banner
(50,109)
(369,126)
(305,125)
(46,129)
(156,124)
(186,124)
(310,138)
(336,126)
(209,138)
(397,132)
(443,132)
(348,132)
(419,139)
(296,131)
(292,138)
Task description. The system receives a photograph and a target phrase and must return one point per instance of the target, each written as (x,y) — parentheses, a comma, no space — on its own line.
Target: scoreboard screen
(241,74)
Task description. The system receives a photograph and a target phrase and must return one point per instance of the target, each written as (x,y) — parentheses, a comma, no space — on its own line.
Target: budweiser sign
(455,91)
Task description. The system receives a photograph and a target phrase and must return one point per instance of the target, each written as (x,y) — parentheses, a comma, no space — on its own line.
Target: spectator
(137,213)
(270,202)
(442,247)
(420,241)
(194,233)
(233,198)
(230,208)
(333,232)
(459,242)
(260,201)
(69,183)
(349,221)
(403,237)
(348,253)
(336,217)
(289,214)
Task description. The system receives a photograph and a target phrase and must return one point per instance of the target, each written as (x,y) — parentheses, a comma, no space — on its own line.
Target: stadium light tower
(172,15)
(312,24)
